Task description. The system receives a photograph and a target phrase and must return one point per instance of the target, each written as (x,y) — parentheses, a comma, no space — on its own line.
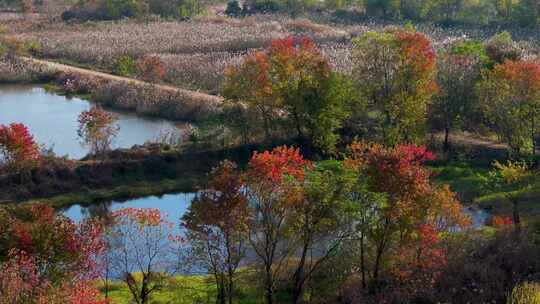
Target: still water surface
(52,119)
(172,206)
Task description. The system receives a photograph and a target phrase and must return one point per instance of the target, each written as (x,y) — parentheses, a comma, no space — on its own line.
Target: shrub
(72,83)
(233,9)
(18,150)
(33,47)
(118,9)
(150,68)
(525,293)
(263,6)
(125,66)
(501,47)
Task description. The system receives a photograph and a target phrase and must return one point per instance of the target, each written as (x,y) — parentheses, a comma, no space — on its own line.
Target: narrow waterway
(52,119)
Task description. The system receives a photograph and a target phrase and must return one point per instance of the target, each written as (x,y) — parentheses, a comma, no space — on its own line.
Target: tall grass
(14,70)
(525,293)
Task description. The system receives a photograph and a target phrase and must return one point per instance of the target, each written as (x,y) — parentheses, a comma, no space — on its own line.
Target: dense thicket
(447,12)
(118,9)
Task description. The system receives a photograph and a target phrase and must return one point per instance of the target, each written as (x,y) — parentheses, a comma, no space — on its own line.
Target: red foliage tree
(501,221)
(275,165)
(45,256)
(414,211)
(418,267)
(272,191)
(18,150)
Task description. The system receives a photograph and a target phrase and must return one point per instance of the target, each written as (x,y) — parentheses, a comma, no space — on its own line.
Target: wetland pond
(172,206)
(52,119)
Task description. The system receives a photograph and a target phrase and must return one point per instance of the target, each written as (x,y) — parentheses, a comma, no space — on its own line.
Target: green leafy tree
(502,47)
(456,76)
(383,8)
(510,179)
(325,219)
(526,13)
(216,224)
(394,72)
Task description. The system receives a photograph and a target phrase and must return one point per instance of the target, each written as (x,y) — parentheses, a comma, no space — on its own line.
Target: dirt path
(71,69)
(470,140)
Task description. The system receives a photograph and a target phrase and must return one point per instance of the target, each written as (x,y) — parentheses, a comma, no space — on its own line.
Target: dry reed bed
(102,43)
(205,71)
(18,71)
(145,99)
(196,53)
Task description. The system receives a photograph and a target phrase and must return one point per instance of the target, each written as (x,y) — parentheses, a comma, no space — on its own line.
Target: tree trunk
(144,290)
(515,214)
(299,277)
(533,128)
(446,145)
(378,260)
(363,262)
(269,285)
(298,126)
(230,288)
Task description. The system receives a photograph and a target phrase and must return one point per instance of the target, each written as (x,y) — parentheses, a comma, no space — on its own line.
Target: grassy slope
(466,180)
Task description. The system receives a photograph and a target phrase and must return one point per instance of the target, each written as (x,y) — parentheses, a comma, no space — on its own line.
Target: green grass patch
(466,179)
(187,289)
(178,289)
(463,178)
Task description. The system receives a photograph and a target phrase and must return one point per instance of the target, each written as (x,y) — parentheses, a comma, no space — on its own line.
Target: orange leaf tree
(510,98)
(291,83)
(272,190)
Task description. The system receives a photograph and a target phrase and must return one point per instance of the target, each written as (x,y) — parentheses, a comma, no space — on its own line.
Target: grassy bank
(89,196)
(127,173)
(467,180)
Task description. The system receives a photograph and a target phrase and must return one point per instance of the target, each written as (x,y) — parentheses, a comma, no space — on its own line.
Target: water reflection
(479,217)
(172,207)
(52,120)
